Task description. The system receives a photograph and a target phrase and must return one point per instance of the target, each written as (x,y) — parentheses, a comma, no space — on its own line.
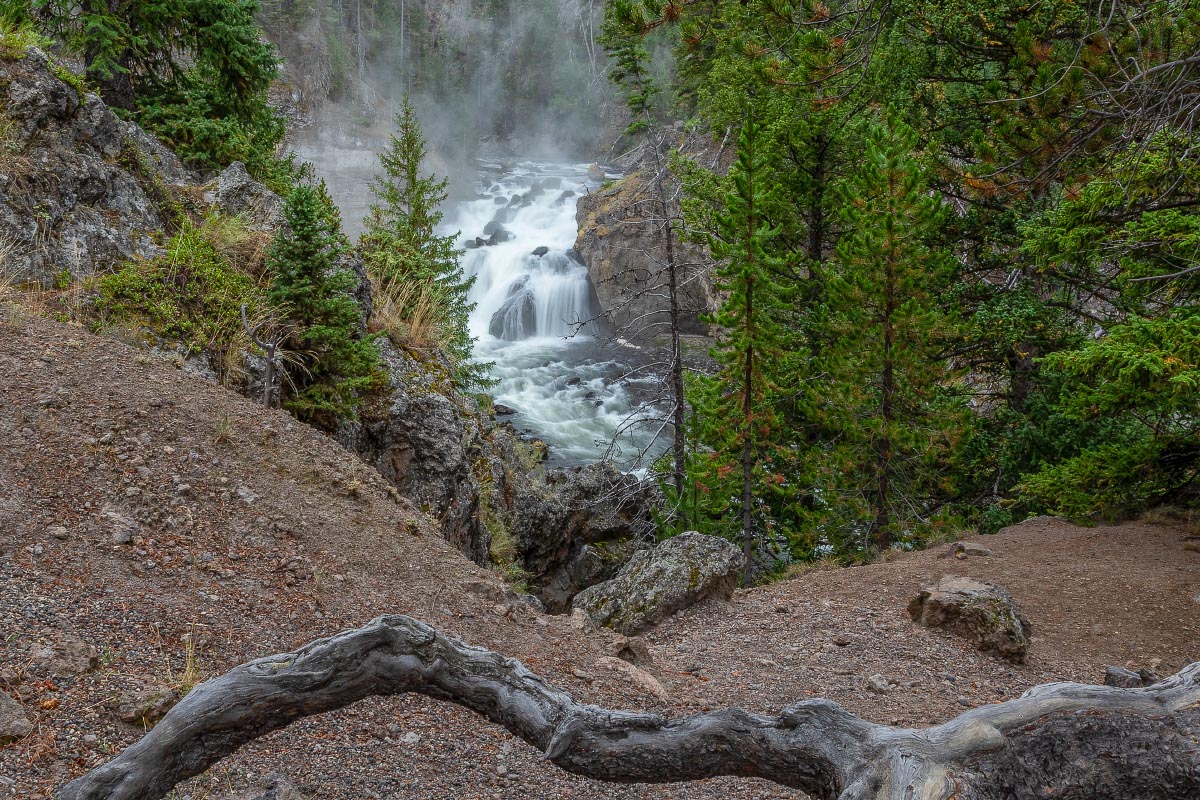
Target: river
(535,316)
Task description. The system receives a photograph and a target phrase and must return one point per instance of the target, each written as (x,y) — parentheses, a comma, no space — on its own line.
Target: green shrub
(193,293)
(17,35)
(339,364)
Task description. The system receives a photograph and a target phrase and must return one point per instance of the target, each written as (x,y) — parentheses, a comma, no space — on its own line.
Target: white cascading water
(534,312)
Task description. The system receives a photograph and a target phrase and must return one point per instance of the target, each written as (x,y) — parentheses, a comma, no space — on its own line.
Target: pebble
(877,684)
(58,531)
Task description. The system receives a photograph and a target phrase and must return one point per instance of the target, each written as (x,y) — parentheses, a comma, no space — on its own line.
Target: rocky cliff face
(425,441)
(624,248)
(623,243)
(80,190)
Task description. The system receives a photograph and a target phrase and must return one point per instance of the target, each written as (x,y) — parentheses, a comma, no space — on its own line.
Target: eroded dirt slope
(141,507)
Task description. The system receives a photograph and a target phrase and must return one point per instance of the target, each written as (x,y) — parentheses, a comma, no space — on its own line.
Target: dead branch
(1060,740)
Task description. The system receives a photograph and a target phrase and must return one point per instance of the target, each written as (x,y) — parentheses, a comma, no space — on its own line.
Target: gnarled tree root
(1059,740)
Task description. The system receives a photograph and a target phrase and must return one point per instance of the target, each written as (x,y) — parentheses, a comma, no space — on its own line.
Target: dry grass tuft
(238,243)
(410,313)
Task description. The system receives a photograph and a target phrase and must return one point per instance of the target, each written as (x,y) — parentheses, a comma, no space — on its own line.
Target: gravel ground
(149,519)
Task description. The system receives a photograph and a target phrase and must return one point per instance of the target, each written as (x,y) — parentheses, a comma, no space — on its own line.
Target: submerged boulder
(517,317)
(656,583)
(981,612)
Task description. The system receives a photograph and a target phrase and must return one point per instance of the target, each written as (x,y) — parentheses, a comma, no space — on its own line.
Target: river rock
(501,236)
(517,317)
(14,724)
(595,172)
(981,612)
(656,583)
(540,251)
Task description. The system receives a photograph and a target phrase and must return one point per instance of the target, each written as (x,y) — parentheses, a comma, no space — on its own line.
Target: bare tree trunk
(1057,742)
(678,445)
(748,390)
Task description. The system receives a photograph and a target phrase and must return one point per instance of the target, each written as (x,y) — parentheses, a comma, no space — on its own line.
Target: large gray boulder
(981,612)
(80,190)
(241,195)
(656,583)
(517,317)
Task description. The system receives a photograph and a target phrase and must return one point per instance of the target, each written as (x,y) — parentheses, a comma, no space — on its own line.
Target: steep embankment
(140,506)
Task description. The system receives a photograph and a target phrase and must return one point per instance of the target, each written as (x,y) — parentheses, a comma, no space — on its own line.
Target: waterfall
(557,378)
(517,233)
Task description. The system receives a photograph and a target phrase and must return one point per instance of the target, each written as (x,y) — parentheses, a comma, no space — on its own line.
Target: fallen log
(1060,740)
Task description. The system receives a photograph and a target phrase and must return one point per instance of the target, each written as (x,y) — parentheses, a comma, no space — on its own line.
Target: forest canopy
(977,263)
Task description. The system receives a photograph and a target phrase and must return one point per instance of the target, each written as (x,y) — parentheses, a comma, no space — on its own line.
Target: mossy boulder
(981,612)
(658,582)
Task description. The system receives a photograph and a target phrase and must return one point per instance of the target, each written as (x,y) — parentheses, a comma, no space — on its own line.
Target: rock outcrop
(239,194)
(623,246)
(422,443)
(656,583)
(572,528)
(80,190)
(981,612)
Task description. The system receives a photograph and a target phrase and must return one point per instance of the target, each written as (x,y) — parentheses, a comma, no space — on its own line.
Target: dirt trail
(141,507)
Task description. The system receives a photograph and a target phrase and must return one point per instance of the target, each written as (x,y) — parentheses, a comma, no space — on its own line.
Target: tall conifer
(885,399)
(401,243)
(737,405)
(316,293)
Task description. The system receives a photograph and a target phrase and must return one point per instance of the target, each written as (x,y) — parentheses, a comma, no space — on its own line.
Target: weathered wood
(1057,741)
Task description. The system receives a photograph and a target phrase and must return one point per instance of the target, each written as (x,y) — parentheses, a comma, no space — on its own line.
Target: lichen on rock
(656,583)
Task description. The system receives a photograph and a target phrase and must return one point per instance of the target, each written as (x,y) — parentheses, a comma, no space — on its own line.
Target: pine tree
(737,406)
(401,243)
(195,72)
(885,399)
(315,292)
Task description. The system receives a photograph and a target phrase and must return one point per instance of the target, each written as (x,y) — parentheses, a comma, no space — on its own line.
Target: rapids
(535,316)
